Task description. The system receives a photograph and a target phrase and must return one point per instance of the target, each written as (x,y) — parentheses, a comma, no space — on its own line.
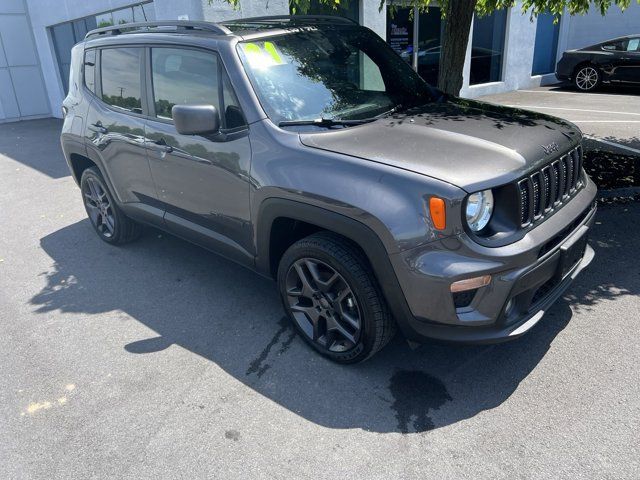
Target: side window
(233,116)
(617,46)
(90,69)
(634,45)
(182,76)
(120,68)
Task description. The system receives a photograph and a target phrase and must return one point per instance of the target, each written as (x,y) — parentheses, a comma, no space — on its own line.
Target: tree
(459,15)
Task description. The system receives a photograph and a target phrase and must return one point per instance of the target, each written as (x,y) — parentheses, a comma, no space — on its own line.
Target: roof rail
(290,19)
(146,27)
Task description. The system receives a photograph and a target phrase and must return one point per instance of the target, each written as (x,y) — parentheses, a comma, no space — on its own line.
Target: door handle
(162,146)
(98,128)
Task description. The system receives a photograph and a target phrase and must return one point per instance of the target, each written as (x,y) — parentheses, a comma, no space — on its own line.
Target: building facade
(507,50)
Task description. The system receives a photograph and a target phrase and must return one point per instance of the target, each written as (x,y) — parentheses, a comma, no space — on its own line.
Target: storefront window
(345,8)
(429,43)
(487,47)
(546,46)
(400,32)
(400,36)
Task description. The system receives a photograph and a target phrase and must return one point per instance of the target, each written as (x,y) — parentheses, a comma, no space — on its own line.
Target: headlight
(479,209)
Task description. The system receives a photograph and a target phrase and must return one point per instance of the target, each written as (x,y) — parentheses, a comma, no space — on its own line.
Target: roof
(238,27)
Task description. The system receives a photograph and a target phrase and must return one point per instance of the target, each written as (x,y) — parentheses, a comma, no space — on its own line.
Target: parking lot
(609,114)
(162,360)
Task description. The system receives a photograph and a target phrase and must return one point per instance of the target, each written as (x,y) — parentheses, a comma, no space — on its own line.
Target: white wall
(520,38)
(22,91)
(372,17)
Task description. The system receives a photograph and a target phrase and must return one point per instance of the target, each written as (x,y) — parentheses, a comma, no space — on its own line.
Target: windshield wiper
(395,109)
(332,122)
(325,122)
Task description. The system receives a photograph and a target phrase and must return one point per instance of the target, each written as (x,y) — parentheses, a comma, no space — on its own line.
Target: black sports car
(614,61)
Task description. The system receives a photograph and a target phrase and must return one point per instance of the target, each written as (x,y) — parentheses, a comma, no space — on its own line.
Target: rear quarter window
(90,70)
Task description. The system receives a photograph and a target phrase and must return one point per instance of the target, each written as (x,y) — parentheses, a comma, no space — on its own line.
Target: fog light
(470,283)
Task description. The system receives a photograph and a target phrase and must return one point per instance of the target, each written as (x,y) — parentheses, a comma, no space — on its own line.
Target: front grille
(548,188)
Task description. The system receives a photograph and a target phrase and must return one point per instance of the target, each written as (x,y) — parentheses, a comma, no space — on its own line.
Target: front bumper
(528,276)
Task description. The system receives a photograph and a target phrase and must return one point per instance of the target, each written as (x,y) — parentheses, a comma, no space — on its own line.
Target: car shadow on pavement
(231,316)
(35,144)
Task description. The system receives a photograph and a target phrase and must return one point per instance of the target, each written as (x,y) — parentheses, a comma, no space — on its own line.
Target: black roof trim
(180,26)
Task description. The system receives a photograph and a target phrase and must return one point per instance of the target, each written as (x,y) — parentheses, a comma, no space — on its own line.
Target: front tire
(332,298)
(587,78)
(109,222)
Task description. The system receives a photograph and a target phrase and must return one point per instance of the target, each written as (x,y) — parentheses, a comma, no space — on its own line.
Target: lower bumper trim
(496,334)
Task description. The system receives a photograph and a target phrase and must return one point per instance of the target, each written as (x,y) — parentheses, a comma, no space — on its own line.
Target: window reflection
(487,47)
(182,77)
(400,36)
(120,69)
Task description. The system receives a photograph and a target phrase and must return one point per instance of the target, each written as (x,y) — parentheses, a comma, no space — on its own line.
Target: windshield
(330,73)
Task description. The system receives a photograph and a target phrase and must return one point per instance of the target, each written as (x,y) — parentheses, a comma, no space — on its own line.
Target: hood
(470,144)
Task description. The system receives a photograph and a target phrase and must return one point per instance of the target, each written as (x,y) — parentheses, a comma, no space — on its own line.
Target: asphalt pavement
(609,114)
(161,360)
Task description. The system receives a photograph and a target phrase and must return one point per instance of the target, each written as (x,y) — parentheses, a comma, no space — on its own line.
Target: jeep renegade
(307,150)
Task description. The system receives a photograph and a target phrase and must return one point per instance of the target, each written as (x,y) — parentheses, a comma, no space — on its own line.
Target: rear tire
(332,298)
(587,78)
(109,222)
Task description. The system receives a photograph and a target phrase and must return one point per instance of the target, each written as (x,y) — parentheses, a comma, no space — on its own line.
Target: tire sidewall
(367,340)
(94,174)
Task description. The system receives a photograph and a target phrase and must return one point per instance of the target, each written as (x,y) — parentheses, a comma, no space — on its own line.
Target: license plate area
(572,251)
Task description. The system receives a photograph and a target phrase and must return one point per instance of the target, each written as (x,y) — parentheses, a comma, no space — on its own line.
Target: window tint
(233,116)
(487,47)
(182,76)
(618,46)
(120,69)
(90,70)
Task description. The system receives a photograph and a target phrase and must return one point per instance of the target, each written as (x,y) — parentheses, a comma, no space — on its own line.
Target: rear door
(115,125)
(202,181)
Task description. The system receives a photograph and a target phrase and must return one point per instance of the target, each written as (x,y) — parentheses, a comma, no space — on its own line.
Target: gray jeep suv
(305,149)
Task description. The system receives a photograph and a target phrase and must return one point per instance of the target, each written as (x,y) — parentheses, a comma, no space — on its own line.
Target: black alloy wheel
(323,305)
(109,222)
(332,297)
(99,208)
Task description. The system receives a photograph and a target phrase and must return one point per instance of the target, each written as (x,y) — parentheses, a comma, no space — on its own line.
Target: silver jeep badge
(549,149)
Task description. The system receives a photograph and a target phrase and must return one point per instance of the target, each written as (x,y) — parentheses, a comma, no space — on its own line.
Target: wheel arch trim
(359,233)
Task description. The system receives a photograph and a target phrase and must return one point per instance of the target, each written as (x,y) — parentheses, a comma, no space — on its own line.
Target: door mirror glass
(196,119)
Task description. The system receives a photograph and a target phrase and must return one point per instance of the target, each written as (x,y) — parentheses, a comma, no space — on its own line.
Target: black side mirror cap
(196,119)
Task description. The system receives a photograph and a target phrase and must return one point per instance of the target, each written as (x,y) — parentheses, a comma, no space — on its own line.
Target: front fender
(388,200)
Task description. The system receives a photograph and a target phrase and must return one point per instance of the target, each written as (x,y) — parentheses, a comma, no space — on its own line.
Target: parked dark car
(307,150)
(612,62)
(429,63)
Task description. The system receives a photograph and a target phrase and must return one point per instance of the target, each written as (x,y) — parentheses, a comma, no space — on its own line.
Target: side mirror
(196,119)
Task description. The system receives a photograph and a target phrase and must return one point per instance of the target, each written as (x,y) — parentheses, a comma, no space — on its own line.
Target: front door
(202,181)
(630,66)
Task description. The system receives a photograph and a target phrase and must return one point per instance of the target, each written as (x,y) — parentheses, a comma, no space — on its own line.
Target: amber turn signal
(470,283)
(438,213)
